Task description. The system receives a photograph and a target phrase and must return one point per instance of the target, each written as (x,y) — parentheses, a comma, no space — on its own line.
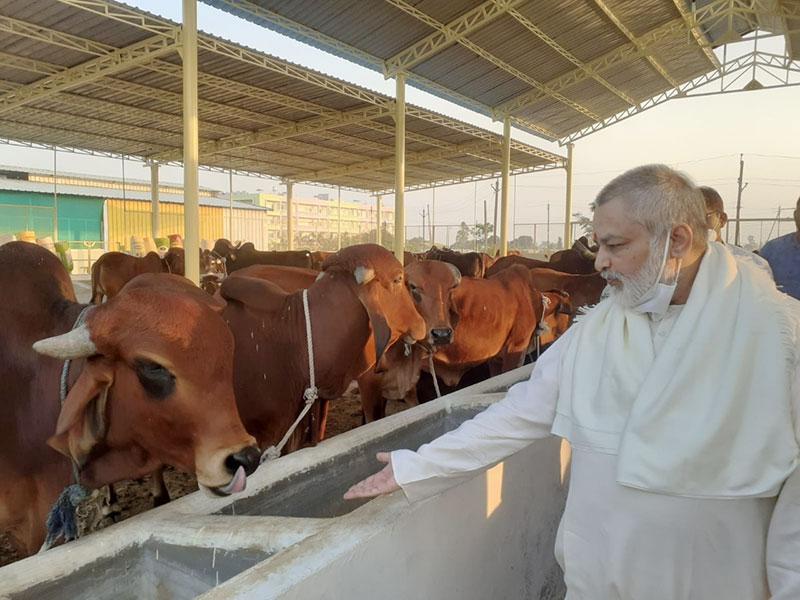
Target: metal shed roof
(556,68)
(102,76)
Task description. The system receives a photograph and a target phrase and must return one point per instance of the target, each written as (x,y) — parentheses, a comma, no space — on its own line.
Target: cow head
(226,250)
(175,260)
(212,264)
(143,399)
(380,286)
(557,317)
(431,283)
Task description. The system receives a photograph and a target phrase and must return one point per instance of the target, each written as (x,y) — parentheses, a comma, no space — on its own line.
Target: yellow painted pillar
(378,231)
(400,167)
(191,154)
(506,166)
(155,219)
(289,215)
(568,211)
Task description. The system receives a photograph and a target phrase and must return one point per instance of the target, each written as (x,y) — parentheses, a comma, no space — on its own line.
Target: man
(676,394)
(783,255)
(717,218)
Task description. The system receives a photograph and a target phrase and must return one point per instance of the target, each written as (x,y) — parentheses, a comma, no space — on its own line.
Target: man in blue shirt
(783,255)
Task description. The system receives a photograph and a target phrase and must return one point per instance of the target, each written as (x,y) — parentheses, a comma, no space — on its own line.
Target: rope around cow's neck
(310,395)
(433,374)
(61,520)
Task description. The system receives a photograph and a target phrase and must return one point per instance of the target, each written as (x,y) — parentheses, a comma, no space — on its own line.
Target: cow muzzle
(239,465)
(441,336)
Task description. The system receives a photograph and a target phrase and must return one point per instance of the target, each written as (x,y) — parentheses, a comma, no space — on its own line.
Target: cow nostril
(442,336)
(248,458)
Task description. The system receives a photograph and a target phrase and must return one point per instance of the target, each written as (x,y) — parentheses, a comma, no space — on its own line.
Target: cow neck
(342,330)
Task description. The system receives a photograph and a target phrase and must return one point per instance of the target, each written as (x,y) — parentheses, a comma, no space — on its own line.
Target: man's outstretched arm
(524,415)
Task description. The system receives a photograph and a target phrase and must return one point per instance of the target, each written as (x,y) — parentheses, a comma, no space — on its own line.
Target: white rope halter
(310,394)
(433,374)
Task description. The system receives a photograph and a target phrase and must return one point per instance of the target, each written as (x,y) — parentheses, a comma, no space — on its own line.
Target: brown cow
(246,255)
(114,269)
(361,292)
(289,279)
(584,290)
(319,257)
(558,315)
(138,397)
(431,284)
(496,317)
(470,264)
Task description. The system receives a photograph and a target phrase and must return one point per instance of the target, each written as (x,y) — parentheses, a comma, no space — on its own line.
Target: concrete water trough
(290,535)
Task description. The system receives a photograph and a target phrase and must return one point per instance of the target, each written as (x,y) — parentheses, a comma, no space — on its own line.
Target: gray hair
(659,198)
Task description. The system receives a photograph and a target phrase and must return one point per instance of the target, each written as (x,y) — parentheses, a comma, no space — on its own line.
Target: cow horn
(456,272)
(363,275)
(73,344)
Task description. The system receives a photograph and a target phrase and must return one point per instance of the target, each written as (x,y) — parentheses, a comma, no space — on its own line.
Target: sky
(702,136)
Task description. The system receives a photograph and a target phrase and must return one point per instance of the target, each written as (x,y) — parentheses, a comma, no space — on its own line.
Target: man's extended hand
(382,482)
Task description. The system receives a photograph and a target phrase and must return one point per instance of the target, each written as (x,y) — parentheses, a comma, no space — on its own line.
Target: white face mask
(656,300)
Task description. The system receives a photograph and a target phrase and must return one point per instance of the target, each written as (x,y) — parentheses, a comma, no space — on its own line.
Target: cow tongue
(237,483)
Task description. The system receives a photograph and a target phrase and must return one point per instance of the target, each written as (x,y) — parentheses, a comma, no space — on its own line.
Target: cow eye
(415,292)
(156,380)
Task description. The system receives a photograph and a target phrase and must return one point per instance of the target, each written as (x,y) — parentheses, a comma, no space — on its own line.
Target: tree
(585,224)
(463,237)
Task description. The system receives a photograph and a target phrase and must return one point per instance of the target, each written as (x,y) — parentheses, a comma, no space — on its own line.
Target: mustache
(612,276)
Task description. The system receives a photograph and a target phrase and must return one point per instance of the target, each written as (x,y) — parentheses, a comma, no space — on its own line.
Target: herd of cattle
(164,373)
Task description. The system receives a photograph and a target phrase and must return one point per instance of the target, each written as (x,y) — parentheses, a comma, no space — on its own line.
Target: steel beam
(400,167)
(504,188)
(659,68)
(568,203)
(539,33)
(697,34)
(488,56)
(109,64)
(445,34)
(289,130)
(618,56)
(191,205)
(155,222)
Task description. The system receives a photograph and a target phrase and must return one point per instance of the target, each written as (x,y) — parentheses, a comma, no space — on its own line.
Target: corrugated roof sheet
(258,114)
(514,48)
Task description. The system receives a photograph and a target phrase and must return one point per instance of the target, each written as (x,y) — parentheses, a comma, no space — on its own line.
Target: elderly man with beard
(680,396)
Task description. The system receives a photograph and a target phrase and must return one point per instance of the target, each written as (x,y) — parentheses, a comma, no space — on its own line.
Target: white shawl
(710,416)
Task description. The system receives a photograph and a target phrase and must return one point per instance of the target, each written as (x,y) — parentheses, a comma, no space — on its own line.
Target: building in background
(316,220)
(97,214)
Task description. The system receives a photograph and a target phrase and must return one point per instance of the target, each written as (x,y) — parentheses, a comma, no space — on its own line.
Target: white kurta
(617,542)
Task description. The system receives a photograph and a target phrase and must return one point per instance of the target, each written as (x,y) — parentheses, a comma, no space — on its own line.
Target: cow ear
(370,299)
(253,293)
(82,421)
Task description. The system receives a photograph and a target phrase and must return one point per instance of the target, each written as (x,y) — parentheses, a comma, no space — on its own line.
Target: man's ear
(681,238)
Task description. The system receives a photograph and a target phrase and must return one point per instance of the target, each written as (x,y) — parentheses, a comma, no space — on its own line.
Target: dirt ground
(134,496)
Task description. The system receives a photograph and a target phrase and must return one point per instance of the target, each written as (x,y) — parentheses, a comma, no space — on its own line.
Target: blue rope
(62,520)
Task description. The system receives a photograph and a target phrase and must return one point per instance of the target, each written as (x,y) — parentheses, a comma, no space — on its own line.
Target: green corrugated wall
(80,218)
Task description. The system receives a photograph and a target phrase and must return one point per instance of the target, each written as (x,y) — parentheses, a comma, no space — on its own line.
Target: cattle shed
(103,77)
(560,70)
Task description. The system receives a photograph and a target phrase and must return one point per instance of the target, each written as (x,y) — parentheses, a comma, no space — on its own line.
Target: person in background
(783,256)
(716,219)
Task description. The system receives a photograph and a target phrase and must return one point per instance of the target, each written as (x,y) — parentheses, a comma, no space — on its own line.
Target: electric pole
(432,214)
(423,228)
(548,227)
(430,225)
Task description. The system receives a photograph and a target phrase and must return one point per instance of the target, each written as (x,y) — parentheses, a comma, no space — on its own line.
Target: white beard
(636,286)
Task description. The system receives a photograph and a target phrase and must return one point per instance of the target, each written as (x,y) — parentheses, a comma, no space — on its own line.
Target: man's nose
(601,261)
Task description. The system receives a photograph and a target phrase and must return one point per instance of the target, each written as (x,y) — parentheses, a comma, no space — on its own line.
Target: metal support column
(378,231)
(55,197)
(191,205)
(400,166)
(289,216)
(568,209)
(339,219)
(230,204)
(155,217)
(504,186)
